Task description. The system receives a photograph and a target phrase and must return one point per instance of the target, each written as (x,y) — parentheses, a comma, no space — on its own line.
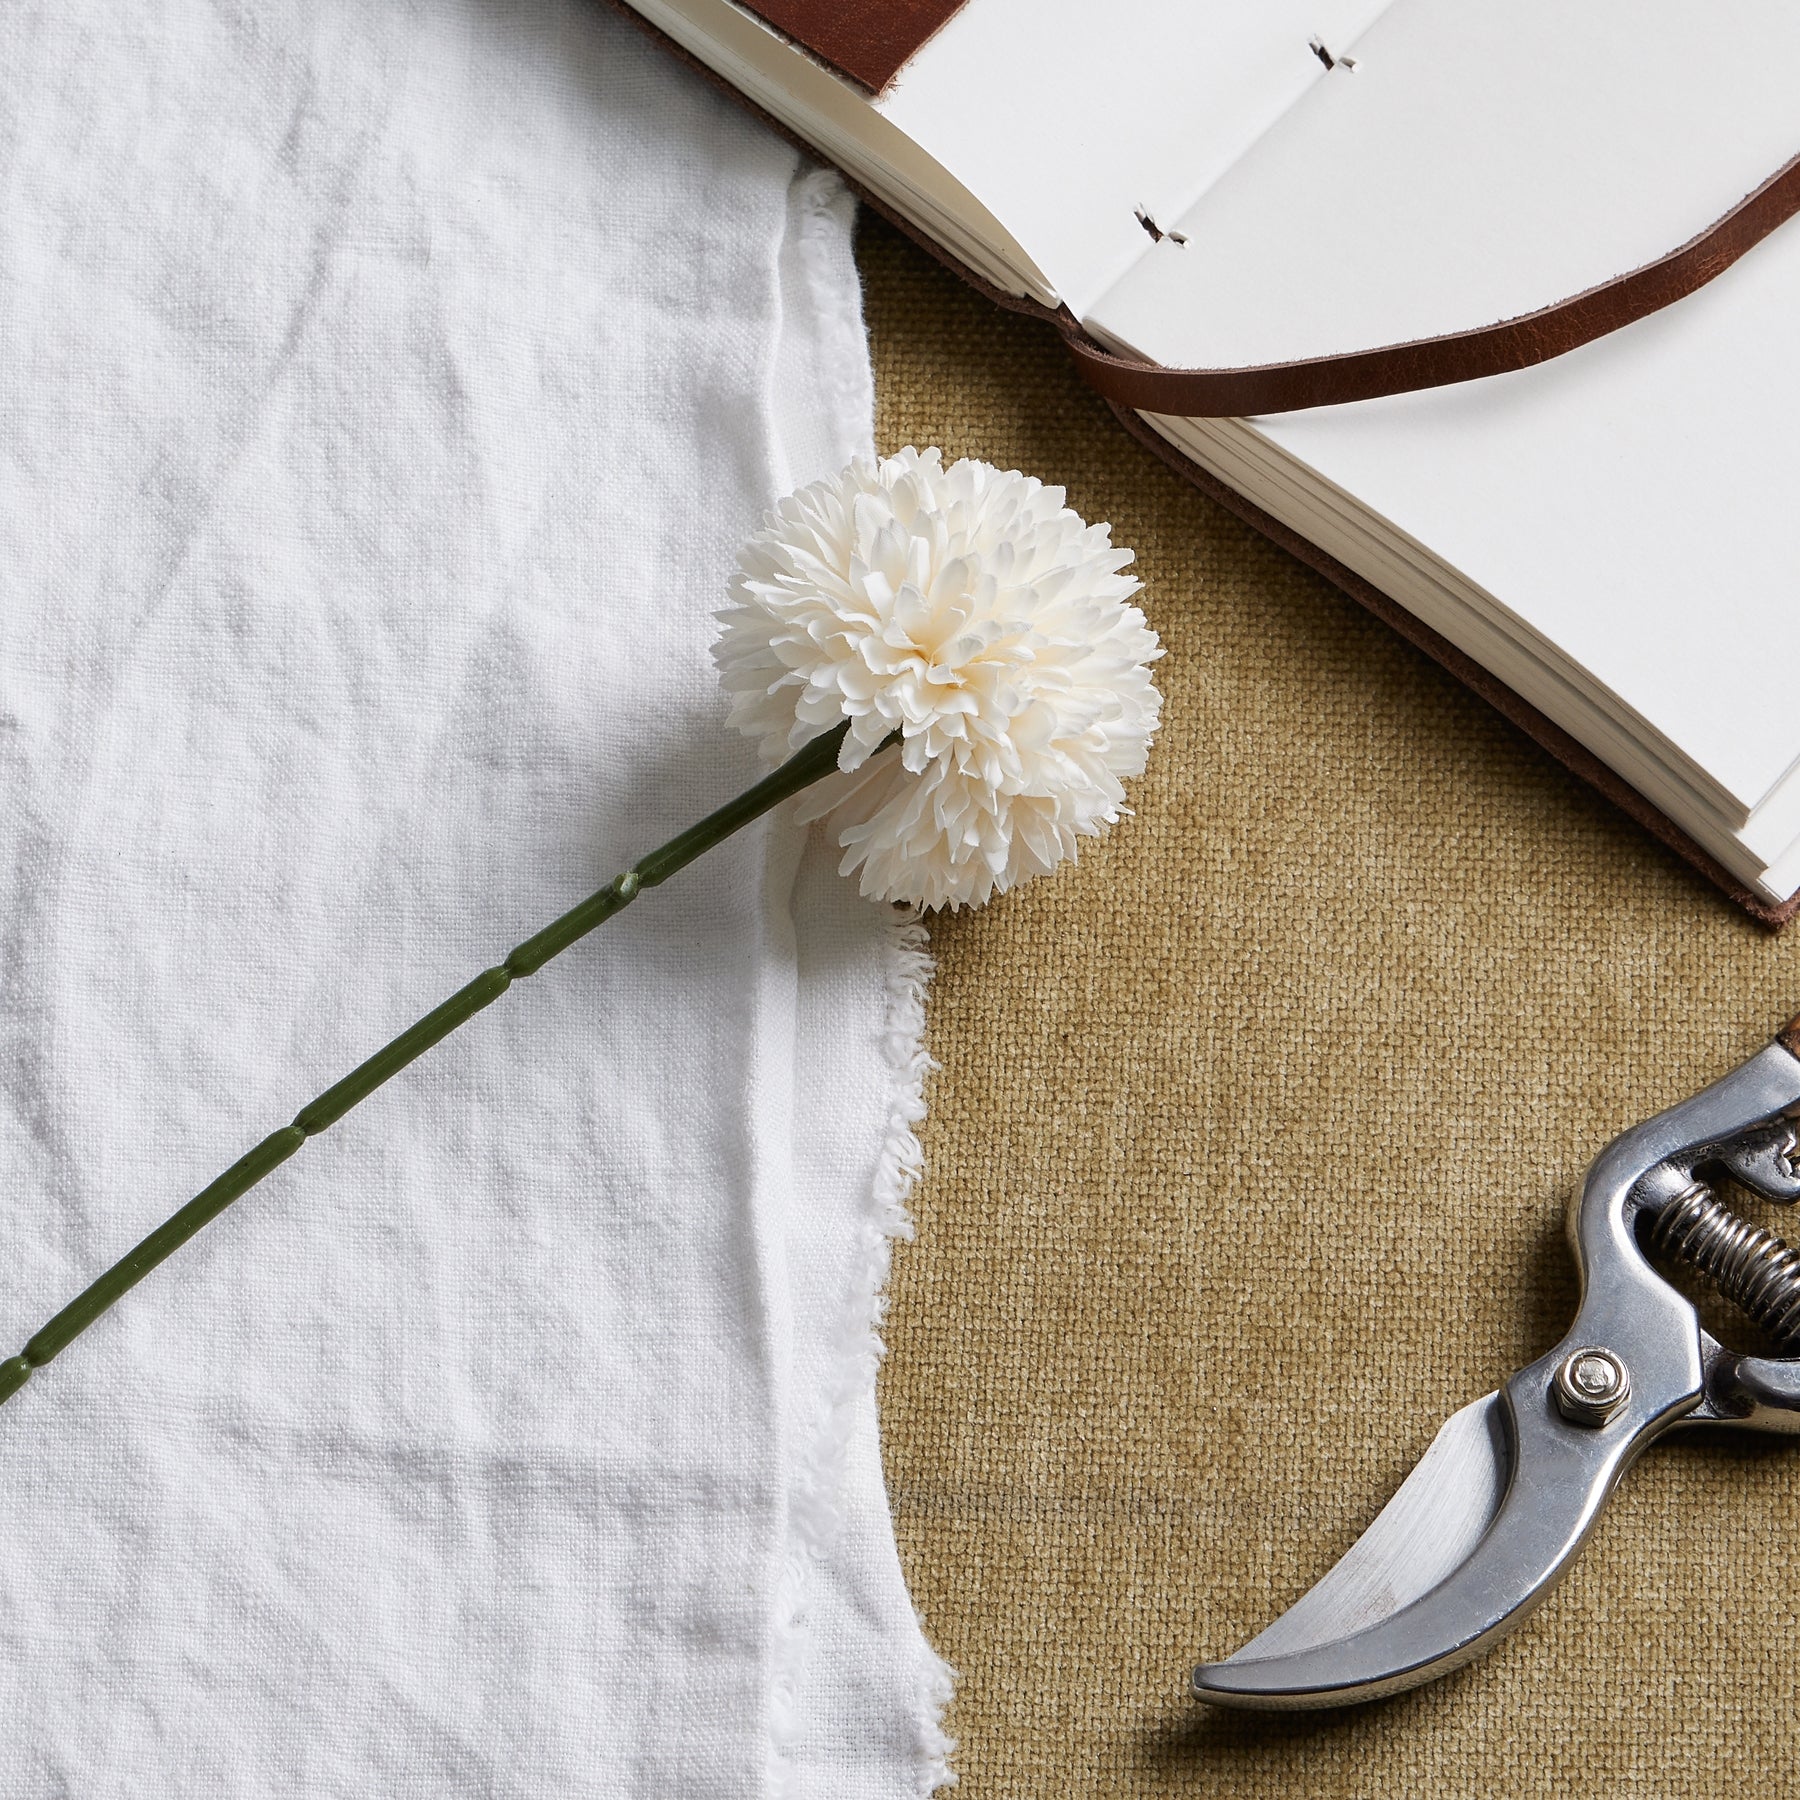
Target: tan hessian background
(1247,1165)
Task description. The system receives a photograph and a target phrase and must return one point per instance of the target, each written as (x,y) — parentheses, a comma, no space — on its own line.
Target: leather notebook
(1487,314)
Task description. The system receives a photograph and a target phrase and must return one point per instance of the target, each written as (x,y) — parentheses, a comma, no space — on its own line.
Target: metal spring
(1751,1267)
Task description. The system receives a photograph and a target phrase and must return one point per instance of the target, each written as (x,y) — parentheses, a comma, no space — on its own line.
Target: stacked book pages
(1490,313)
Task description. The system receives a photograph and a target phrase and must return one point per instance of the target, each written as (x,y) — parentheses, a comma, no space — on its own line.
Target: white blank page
(1635,502)
(1064,118)
(1476,164)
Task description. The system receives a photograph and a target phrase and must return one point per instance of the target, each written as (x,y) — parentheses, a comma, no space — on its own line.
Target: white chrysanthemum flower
(969,613)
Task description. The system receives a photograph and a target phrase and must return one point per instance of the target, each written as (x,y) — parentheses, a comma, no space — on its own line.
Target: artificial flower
(978,637)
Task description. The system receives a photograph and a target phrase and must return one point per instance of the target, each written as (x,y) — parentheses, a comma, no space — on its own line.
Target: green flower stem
(801,770)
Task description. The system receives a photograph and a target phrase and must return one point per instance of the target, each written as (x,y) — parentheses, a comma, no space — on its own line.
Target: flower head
(977,636)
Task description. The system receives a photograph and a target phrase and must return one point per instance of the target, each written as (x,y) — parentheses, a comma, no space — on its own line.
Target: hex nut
(1590,1386)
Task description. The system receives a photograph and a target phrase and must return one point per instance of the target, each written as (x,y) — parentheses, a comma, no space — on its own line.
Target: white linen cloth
(384,390)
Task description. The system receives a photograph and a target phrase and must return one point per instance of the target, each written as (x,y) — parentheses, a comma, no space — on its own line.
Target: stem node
(14,1373)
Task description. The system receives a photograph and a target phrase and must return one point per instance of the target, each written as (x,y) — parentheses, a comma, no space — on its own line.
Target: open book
(1278,195)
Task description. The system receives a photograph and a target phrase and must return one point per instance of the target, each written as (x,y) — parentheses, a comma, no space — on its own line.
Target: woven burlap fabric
(1247,1164)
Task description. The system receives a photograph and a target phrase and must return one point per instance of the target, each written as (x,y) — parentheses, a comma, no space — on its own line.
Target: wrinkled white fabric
(384,389)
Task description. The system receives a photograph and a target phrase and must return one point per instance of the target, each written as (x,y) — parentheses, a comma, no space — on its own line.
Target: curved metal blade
(1475,1537)
(1437,1516)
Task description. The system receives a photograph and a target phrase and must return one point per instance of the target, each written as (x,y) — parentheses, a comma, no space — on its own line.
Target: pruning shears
(1503,1500)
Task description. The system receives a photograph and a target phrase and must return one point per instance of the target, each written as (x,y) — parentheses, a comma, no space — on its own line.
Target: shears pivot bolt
(1590,1386)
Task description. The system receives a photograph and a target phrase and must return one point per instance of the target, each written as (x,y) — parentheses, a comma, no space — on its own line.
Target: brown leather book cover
(867,42)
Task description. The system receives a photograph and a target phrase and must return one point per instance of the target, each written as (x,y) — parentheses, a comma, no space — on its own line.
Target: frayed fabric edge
(814,1516)
(910,968)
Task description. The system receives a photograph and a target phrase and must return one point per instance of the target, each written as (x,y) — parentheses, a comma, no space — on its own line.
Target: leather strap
(1458,356)
(866,40)
(1788,1037)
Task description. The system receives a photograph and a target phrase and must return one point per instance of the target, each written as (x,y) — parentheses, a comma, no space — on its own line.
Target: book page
(1631,502)
(1626,502)
(1472,165)
(1065,119)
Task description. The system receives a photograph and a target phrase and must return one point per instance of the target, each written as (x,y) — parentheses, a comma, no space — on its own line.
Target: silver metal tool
(1506,1495)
